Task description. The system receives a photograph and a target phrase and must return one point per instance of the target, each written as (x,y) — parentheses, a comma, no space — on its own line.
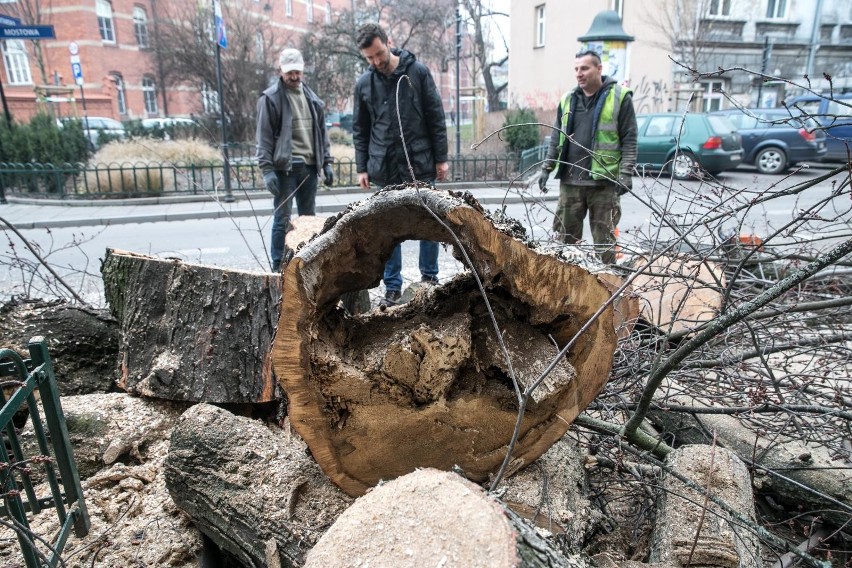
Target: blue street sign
(9,20)
(27,32)
(77,71)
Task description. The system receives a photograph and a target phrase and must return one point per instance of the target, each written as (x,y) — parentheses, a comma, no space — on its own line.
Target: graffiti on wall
(650,95)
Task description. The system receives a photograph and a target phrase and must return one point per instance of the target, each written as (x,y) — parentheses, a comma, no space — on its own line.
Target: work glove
(625,183)
(328,173)
(271,181)
(542,180)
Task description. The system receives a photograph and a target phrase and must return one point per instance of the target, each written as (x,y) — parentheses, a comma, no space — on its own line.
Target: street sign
(77,69)
(27,32)
(221,37)
(9,20)
(73,48)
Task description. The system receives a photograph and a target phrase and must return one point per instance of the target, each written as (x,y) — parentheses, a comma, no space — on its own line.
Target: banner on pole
(221,38)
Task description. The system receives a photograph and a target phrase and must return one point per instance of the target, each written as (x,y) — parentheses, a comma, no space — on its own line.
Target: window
(711,95)
(719,8)
(776,8)
(104,11)
(539,26)
(120,97)
(310,7)
(149,93)
(258,46)
(660,126)
(328,12)
(140,26)
(209,100)
(288,7)
(17,62)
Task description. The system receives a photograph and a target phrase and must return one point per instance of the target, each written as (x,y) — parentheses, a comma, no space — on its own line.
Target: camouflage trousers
(603,205)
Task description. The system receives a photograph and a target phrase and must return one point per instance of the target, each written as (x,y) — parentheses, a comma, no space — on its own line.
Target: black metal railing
(146,179)
(17,471)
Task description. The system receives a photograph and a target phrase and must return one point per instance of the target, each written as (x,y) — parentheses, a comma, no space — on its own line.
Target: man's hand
(441,171)
(328,174)
(363,180)
(542,180)
(624,184)
(271,181)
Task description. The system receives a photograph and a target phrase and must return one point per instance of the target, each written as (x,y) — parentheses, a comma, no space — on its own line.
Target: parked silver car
(97,127)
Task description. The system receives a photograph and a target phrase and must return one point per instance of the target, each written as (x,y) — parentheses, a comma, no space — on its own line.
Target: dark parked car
(834,115)
(773,141)
(704,143)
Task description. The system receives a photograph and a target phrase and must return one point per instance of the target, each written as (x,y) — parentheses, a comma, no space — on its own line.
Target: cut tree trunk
(254,491)
(694,531)
(800,465)
(677,294)
(191,332)
(433,518)
(426,384)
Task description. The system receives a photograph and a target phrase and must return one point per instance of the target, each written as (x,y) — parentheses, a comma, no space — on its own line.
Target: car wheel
(771,160)
(685,166)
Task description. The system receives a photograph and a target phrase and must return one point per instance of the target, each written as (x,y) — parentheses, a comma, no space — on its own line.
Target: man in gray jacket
(292,146)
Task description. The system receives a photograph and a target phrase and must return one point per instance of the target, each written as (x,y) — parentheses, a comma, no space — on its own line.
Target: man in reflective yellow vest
(594,153)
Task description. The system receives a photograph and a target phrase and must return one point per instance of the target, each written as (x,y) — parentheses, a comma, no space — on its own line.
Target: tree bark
(190,332)
(426,384)
(253,490)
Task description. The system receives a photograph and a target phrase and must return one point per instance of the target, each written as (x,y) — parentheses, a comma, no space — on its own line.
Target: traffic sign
(27,32)
(9,20)
(73,48)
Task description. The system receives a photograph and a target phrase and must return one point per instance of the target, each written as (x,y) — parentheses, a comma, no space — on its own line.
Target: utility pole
(458,79)
(222,42)
(815,37)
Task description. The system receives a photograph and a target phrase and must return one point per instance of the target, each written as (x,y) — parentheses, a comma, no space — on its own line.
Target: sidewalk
(24,213)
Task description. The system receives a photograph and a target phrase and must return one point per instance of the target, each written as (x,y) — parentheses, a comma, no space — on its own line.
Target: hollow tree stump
(426,384)
(190,332)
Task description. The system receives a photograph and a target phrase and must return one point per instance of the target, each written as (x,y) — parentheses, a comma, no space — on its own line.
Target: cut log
(254,491)
(426,384)
(677,294)
(801,465)
(190,332)
(693,531)
(433,518)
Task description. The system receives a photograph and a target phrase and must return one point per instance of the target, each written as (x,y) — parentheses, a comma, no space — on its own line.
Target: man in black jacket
(292,146)
(379,152)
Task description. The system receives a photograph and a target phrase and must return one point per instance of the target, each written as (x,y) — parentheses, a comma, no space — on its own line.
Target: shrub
(147,165)
(41,140)
(523,133)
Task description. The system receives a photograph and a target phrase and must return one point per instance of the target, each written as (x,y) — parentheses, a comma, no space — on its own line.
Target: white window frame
(105,21)
(17,62)
(149,94)
(120,94)
(719,8)
(711,99)
(539,25)
(209,100)
(140,26)
(309,5)
(776,9)
(288,8)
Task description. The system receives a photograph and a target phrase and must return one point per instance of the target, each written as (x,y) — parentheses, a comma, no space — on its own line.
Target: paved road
(241,242)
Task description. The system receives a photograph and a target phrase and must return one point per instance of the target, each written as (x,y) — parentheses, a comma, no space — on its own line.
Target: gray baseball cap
(291,60)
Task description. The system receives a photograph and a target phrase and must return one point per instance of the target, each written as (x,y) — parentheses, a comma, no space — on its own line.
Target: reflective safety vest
(606,153)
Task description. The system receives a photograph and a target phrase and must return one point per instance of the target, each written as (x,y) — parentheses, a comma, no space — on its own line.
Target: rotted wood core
(426,384)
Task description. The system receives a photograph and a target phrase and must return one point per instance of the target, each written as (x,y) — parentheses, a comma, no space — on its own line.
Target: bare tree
(479,16)
(184,48)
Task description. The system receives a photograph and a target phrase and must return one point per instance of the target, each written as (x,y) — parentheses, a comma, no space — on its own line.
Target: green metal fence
(123,180)
(18,471)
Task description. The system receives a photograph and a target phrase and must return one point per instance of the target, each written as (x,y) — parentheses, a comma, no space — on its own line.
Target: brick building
(113,39)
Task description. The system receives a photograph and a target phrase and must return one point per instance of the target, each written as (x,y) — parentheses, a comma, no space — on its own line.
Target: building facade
(678,46)
(113,40)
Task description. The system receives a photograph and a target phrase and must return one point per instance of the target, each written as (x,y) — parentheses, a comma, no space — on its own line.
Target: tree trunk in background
(190,332)
(426,384)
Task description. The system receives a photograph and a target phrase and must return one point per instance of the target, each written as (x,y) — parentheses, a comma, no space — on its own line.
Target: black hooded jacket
(376,128)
